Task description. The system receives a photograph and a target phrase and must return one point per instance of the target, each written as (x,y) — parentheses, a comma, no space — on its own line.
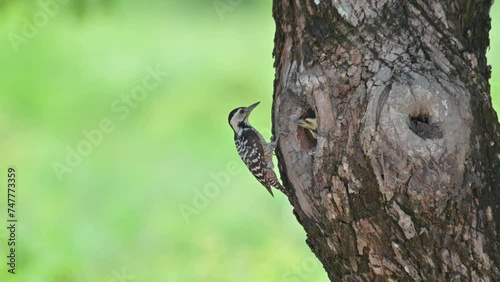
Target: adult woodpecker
(253,149)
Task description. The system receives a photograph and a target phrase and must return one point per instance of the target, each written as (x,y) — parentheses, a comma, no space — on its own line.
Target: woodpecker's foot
(274,142)
(270,165)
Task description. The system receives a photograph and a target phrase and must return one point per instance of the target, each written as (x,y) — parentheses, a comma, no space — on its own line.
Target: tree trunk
(402,183)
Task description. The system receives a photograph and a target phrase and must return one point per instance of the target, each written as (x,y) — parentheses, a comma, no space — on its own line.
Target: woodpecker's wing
(251,151)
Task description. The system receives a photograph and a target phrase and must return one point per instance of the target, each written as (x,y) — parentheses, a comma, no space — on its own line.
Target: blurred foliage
(116,216)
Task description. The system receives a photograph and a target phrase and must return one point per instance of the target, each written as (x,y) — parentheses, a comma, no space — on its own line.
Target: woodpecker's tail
(269,189)
(278,186)
(273,181)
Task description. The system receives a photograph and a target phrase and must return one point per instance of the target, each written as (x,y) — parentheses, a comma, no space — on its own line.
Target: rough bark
(403,180)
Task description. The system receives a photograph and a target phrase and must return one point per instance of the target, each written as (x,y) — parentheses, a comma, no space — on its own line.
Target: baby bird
(309,124)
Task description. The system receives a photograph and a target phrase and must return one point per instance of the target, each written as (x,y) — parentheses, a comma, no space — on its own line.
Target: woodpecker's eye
(241,111)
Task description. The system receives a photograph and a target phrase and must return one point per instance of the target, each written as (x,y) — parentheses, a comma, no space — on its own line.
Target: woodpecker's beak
(299,121)
(251,107)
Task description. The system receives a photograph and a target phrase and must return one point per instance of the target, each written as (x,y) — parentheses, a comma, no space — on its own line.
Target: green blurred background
(162,196)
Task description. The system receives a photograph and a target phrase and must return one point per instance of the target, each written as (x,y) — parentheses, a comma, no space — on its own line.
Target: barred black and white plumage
(253,149)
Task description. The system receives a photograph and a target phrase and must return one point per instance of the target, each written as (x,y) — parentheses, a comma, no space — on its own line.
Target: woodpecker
(253,149)
(309,124)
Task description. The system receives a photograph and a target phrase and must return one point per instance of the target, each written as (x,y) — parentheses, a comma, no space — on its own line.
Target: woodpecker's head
(238,118)
(308,123)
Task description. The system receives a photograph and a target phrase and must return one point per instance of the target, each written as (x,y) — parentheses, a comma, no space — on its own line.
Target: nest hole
(423,126)
(306,137)
(309,114)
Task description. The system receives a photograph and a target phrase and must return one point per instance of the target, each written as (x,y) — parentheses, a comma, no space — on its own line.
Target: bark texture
(402,183)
